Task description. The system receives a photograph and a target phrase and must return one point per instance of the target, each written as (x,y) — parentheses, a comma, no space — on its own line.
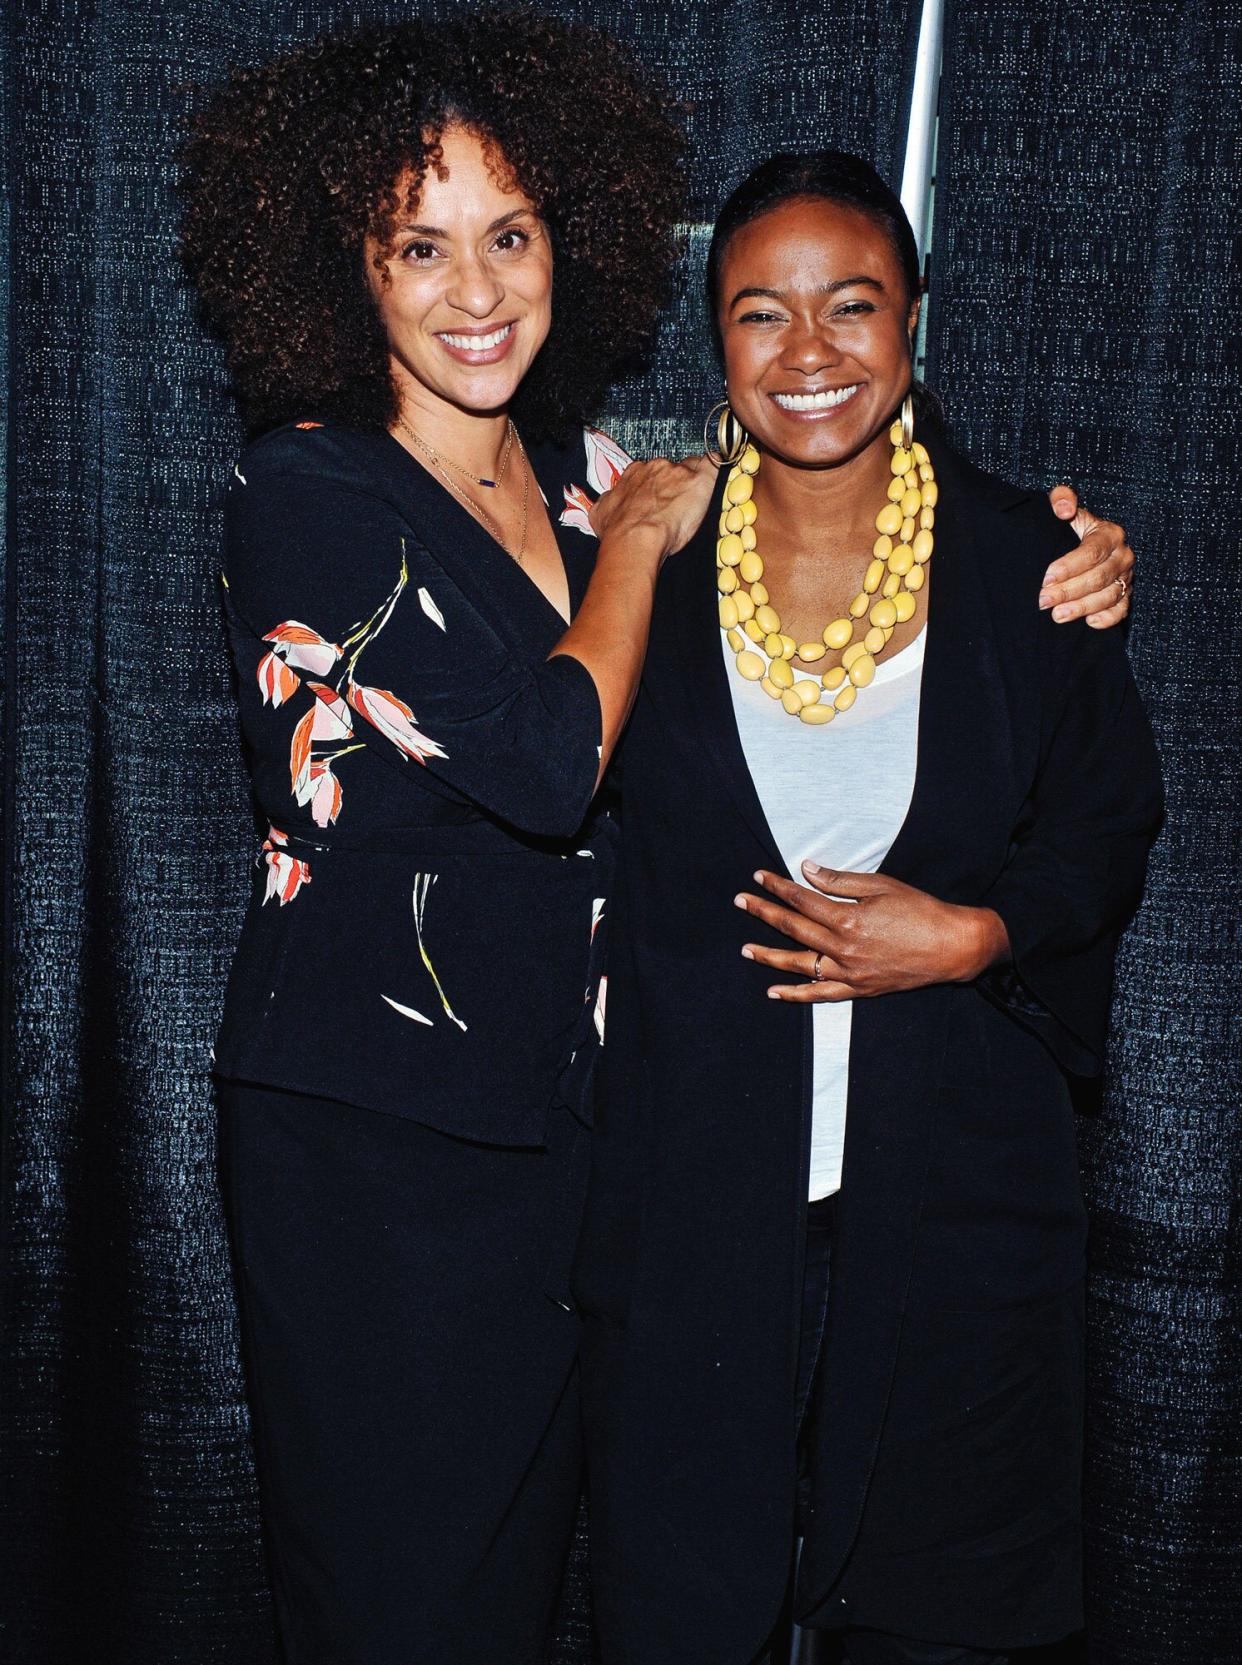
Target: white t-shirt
(837,795)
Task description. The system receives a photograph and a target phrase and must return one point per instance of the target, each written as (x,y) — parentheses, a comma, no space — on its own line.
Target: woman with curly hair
(433,673)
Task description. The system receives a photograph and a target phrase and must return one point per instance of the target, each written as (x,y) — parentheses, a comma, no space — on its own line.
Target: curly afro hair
(291,166)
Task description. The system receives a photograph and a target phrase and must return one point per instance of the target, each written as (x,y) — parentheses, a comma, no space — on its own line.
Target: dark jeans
(852,1646)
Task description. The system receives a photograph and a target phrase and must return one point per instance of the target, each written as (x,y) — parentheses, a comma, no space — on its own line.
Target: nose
(475,288)
(810,347)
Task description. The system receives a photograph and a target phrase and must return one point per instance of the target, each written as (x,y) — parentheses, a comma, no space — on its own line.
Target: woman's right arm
(357,635)
(653,510)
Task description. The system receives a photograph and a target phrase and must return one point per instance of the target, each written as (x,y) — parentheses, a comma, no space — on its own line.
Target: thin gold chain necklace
(893,578)
(439,458)
(481,514)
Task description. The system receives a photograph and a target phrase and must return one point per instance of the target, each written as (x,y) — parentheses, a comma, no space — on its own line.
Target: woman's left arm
(1092,582)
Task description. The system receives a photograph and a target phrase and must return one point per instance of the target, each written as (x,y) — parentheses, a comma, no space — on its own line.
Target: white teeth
(815,401)
(477,343)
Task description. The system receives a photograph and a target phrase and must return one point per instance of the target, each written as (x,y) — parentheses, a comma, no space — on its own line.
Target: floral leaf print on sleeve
(577,512)
(312,777)
(430,674)
(277,683)
(605,459)
(394,719)
(606,462)
(298,645)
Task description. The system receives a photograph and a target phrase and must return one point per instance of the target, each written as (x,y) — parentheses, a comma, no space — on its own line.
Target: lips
(824,398)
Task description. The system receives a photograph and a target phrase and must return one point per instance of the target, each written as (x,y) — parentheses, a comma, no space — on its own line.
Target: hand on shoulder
(661,499)
(1094,581)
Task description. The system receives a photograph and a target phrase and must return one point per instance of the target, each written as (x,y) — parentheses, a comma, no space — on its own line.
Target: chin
(482,393)
(823,449)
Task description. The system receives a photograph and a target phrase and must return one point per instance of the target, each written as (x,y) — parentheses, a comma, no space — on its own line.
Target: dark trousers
(412,1386)
(852,1645)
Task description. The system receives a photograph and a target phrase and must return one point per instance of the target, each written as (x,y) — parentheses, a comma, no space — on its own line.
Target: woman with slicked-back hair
(884,820)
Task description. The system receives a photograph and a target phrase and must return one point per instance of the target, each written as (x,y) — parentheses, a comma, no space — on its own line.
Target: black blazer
(423,934)
(945,1503)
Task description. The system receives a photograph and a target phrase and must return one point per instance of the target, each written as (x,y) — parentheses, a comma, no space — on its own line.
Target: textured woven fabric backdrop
(1078,327)
(1086,295)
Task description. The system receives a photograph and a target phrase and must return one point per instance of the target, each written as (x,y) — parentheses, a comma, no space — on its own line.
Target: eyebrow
(861,281)
(435,231)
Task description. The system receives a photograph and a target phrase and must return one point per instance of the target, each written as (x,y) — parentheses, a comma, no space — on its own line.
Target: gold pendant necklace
(477,509)
(439,458)
(893,578)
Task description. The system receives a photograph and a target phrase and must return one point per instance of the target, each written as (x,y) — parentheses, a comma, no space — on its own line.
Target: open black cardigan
(946,1496)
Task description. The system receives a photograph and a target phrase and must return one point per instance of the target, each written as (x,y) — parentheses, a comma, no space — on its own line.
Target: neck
(472,439)
(838,502)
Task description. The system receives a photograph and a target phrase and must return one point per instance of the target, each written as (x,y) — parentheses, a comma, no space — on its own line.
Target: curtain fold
(1083,326)
(129,1528)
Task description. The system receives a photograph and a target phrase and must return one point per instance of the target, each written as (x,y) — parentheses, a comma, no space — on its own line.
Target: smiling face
(465,291)
(816,323)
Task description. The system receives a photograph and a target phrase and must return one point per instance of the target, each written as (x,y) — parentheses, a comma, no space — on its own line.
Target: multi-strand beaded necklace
(894,577)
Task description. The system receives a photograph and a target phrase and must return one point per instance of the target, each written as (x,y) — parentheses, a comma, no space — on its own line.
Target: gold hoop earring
(731,438)
(907,422)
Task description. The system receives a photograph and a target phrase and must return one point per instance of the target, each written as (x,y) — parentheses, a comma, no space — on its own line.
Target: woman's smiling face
(816,321)
(465,292)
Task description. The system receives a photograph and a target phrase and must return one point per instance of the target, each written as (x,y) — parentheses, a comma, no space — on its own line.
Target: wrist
(639,540)
(982,942)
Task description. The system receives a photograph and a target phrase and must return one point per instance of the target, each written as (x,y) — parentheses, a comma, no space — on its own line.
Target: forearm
(609,632)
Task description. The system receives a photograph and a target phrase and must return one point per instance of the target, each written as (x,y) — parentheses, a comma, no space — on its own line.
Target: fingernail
(772,995)
(748,953)
(758,878)
(811,867)
(739,901)
(1045,601)
(1060,613)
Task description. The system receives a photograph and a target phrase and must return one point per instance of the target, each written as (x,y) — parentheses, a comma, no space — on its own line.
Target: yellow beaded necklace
(753,626)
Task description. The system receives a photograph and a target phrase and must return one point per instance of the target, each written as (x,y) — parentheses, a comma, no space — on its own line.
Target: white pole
(916,175)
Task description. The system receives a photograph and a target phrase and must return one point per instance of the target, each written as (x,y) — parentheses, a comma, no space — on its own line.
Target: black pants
(852,1646)
(412,1386)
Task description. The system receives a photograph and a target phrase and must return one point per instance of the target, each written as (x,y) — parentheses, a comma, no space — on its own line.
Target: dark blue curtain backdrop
(129,1528)
(1079,319)
(1085,301)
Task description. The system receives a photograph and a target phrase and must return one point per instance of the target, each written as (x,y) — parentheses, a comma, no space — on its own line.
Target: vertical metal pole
(916,175)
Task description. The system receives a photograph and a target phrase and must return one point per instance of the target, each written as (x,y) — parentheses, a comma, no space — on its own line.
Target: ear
(912,320)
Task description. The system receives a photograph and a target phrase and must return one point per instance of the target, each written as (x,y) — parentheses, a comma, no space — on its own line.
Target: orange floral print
(325,733)
(286,874)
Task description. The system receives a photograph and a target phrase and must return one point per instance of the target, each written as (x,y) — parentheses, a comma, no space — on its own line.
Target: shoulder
(586,457)
(1016,526)
(330,452)
(577,468)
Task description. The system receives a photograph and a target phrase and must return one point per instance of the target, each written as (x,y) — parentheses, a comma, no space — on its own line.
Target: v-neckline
(941,735)
(445,496)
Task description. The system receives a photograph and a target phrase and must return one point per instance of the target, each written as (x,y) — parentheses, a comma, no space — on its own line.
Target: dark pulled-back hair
(834,176)
(291,166)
